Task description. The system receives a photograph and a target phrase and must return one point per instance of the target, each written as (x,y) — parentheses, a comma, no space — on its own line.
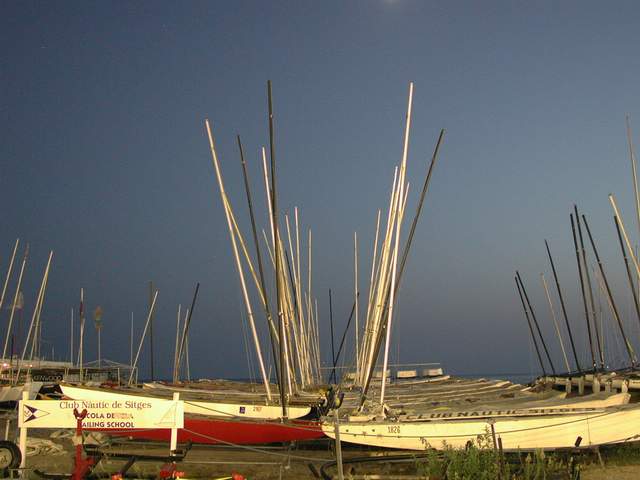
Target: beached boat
(519,429)
(13,393)
(192,404)
(219,423)
(236,431)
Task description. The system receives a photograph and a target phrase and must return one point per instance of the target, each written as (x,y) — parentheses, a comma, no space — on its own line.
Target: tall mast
(374,345)
(152,306)
(613,303)
(533,337)
(71,339)
(632,157)
(564,310)
(589,289)
(36,313)
(175,350)
(355,299)
(276,253)
(332,378)
(584,297)
(15,301)
(234,246)
(624,233)
(555,322)
(185,333)
(272,331)
(535,322)
(9,270)
(151,332)
(628,270)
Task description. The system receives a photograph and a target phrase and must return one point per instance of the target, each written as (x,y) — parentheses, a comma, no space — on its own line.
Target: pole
(624,233)
(338,446)
(173,445)
(131,342)
(71,340)
(9,270)
(273,335)
(186,330)
(584,297)
(151,331)
(176,346)
(276,247)
(81,342)
(234,246)
(564,310)
(144,333)
(632,157)
(344,334)
(589,289)
(23,437)
(555,322)
(355,300)
(535,322)
(405,254)
(333,353)
(626,264)
(15,301)
(613,304)
(533,337)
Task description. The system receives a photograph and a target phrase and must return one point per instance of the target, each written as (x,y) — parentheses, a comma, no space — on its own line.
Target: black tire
(10,457)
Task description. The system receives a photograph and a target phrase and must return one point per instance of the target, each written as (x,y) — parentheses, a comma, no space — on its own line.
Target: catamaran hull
(198,407)
(231,432)
(543,431)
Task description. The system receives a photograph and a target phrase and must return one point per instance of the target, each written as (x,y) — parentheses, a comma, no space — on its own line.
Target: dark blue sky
(105,158)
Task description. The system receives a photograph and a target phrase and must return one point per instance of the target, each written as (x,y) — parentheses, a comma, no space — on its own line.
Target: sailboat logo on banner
(32,413)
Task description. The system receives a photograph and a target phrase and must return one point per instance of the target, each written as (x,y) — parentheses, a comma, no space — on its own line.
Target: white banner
(102,414)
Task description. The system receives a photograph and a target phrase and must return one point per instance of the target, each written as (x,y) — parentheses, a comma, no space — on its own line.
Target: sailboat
(213,422)
(520,424)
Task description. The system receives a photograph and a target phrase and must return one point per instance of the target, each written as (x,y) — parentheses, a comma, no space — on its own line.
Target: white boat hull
(526,430)
(213,409)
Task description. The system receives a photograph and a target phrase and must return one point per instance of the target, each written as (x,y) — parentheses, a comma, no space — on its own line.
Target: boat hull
(231,432)
(199,407)
(544,430)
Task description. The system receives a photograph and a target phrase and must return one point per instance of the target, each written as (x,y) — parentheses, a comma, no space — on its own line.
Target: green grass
(479,461)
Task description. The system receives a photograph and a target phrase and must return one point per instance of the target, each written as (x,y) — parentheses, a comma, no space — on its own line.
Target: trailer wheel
(10,457)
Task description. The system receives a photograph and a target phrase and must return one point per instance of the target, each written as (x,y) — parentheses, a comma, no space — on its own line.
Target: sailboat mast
(564,310)
(333,351)
(274,214)
(555,322)
(9,270)
(234,246)
(589,289)
(533,337)
(152,306)
(584,297)
(613,304)
(15,301)
(355,299)
(273,335)
(626,265)
(535,322)
(632,157)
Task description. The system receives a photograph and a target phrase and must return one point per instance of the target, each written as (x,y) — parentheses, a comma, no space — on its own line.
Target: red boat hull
(238,432)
